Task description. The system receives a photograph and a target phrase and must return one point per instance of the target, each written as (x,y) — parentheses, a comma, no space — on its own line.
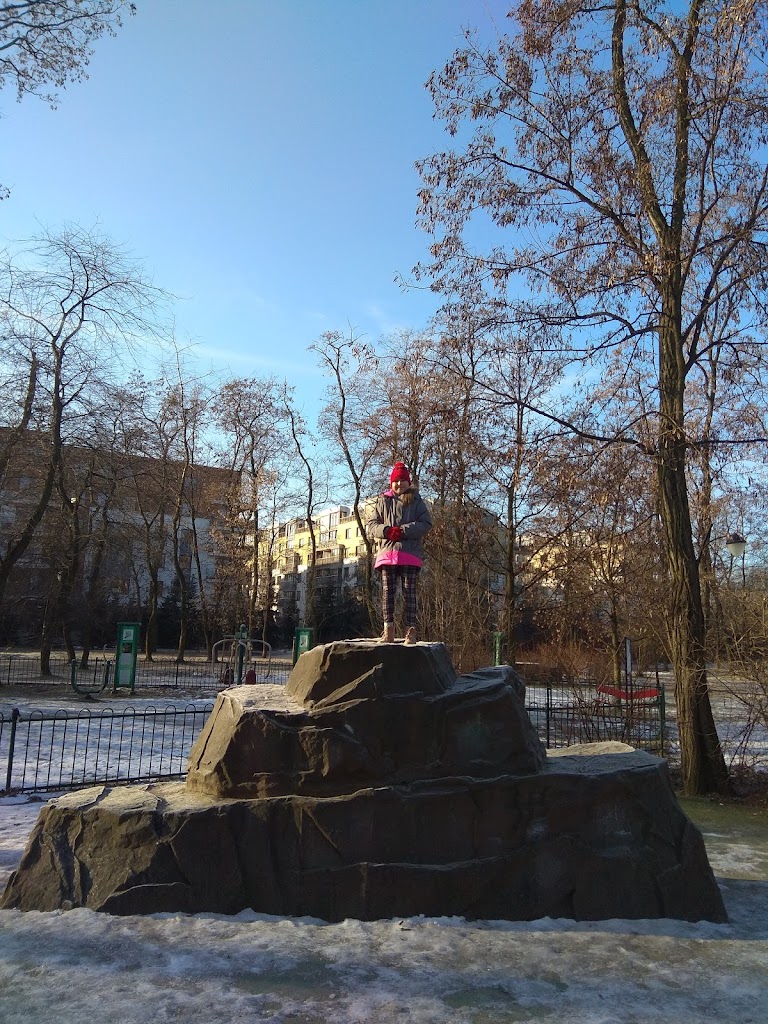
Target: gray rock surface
(365,668)
(391,714)
(591,749)
(336,828)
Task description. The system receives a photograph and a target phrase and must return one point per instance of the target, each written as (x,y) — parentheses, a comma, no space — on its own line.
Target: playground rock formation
(357,715)
(380,784)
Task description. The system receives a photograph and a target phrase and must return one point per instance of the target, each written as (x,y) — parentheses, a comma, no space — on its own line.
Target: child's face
(400,486)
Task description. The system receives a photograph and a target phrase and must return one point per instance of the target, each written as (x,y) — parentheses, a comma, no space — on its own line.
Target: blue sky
(257,156)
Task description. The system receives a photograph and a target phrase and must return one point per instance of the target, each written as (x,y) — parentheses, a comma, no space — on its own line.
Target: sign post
(242,640)
(127,652)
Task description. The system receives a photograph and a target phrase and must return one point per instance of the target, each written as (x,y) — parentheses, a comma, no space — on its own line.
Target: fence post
(11,745)
(549,707)
(10,662)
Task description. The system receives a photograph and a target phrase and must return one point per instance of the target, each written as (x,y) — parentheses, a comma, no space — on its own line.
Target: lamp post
(736,545)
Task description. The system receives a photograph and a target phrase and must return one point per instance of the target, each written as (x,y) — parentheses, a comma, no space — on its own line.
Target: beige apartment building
(340,547)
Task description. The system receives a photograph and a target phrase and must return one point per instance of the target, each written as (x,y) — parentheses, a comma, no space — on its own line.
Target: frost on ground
(78,966)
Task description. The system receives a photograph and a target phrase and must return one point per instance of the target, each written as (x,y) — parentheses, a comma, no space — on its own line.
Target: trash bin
(303,641)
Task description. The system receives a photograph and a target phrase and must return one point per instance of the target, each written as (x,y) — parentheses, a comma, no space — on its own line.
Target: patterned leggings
(389,577)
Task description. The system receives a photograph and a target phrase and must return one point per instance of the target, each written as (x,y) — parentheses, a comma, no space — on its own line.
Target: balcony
(332,552)
(288,563)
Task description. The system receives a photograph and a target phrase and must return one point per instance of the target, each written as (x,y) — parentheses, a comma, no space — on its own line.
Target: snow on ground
(78,967)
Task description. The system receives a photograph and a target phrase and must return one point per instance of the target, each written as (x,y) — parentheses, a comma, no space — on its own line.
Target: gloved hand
(393,533)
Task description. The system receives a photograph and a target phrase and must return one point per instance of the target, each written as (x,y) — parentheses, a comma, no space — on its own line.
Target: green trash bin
(303,641)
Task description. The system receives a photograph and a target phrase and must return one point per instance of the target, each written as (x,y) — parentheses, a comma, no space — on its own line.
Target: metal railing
(564,716)
(45,751)
(163,673)
(23,669)
(49,751)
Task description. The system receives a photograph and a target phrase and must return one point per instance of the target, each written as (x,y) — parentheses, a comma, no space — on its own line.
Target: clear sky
(257,156)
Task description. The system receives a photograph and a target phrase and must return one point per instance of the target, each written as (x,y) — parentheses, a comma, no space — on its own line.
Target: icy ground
(78,967)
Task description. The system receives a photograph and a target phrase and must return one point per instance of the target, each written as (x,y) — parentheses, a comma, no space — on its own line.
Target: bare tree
(341,421)
(509,373)
(622,145)
(48,43)
(104,514)
(251,417)
(69,307)
(155,431)
(299,435)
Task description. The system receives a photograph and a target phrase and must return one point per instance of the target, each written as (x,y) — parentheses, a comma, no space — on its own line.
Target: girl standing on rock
(399,520)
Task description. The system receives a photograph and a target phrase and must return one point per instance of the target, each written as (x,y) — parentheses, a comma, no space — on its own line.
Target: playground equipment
(98,683)
(239,657)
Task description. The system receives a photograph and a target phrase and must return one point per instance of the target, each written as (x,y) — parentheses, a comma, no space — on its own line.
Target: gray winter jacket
(412,515)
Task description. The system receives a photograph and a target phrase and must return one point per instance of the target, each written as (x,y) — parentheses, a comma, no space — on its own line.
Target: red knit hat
(399,472)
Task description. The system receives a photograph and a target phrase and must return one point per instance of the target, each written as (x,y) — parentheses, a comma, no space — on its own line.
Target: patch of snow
(76,966)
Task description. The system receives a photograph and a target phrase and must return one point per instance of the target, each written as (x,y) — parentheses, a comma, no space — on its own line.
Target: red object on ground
(614,691)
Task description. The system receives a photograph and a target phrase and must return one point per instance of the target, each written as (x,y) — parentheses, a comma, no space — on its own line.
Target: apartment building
(121,510)
(340,546)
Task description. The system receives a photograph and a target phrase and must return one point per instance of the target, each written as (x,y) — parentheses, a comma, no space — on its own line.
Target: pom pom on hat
(399,472)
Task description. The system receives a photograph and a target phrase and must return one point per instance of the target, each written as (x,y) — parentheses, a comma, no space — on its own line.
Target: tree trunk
(181,580)
(94,575)
(510,578)
(18,544)
(66,626)
(513,491)
(703,765)
(370,605)
(45,654)
(150,637)
(49,617)
(616,643)
(205,615)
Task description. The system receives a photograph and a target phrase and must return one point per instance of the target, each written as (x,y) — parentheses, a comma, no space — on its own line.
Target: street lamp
(735,544)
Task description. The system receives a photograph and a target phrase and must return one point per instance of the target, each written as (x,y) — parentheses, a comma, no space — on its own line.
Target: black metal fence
(567,715)
(49,751)
(163,673)
(45,751)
